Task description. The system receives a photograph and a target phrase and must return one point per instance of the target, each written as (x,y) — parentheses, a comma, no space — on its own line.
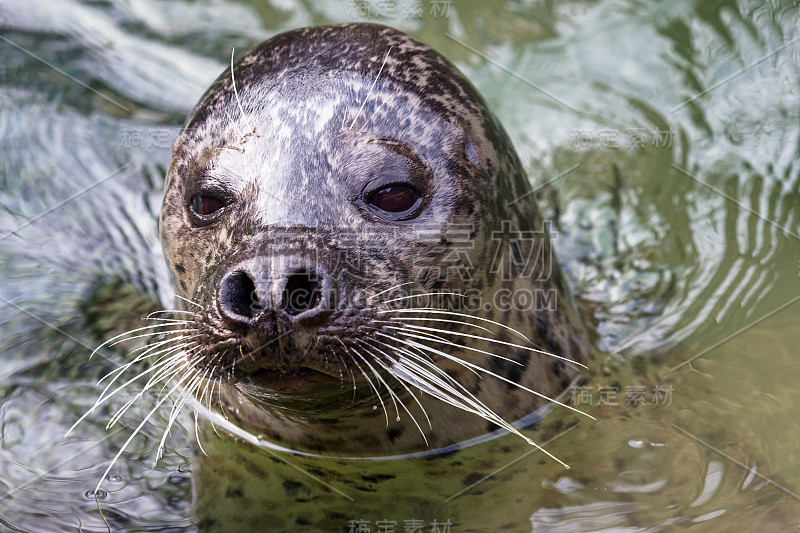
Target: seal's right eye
(204,205)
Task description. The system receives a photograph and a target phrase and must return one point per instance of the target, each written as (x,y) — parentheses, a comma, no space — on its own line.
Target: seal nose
(238,298)
(303,292)
(258,288)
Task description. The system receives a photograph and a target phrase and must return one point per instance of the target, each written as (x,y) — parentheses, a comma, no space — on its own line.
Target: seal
(361,265)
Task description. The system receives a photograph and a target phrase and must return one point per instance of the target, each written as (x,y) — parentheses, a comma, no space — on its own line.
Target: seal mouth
(288,379)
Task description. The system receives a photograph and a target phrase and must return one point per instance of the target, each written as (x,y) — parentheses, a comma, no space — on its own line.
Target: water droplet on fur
(398,419)
(114,478)
(374,407)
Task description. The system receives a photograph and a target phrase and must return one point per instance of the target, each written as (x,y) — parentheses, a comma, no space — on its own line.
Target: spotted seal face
(340,221)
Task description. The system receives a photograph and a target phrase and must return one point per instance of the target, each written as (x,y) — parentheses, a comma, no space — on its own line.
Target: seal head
(341,213)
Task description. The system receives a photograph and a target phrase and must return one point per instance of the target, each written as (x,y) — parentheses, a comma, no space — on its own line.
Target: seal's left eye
(205,205)
(394,198)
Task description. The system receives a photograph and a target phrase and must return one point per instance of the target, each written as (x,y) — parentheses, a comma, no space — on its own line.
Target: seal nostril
(302,292)
(238,296)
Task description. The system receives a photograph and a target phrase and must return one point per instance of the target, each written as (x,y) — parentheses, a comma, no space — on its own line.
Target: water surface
(664,137)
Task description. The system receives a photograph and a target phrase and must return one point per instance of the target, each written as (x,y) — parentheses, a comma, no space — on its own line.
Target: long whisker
(236,94)
(168,372)
(435,311)
(371,88)
(164,361)
(171,320)
(186,300)
(430,379)
(112,339)
(381,380)
(490,415)
(496,341)
(389,289)
(189,391)
(489,372)
(402,383)
(105,397)
(171,311)
(149,351)
(427,319)
(136,432)
(430,336)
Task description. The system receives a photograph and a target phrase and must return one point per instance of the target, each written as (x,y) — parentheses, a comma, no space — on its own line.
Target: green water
(666,139)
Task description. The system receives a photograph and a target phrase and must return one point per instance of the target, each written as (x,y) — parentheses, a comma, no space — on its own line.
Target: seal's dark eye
(205,205)
(394,198)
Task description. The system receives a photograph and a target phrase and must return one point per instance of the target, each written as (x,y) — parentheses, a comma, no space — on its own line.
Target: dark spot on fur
(292,487)
(508,369)
(393,433)
(234,493)
(180,268)
(472,478)
(377,478)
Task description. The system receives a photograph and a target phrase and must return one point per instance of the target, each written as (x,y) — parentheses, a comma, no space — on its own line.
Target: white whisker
(380,379)
(371,88)
(489,372)
(186,300)
(236,94)
(496,341)
(402,383)
(427,319)
(389,289)
(454,313)
(136,432)
(431,336)
(112,339)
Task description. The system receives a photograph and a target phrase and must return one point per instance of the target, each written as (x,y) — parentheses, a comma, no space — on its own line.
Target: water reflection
(678,228)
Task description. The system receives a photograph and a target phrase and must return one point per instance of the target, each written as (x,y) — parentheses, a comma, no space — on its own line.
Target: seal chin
(288,380)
